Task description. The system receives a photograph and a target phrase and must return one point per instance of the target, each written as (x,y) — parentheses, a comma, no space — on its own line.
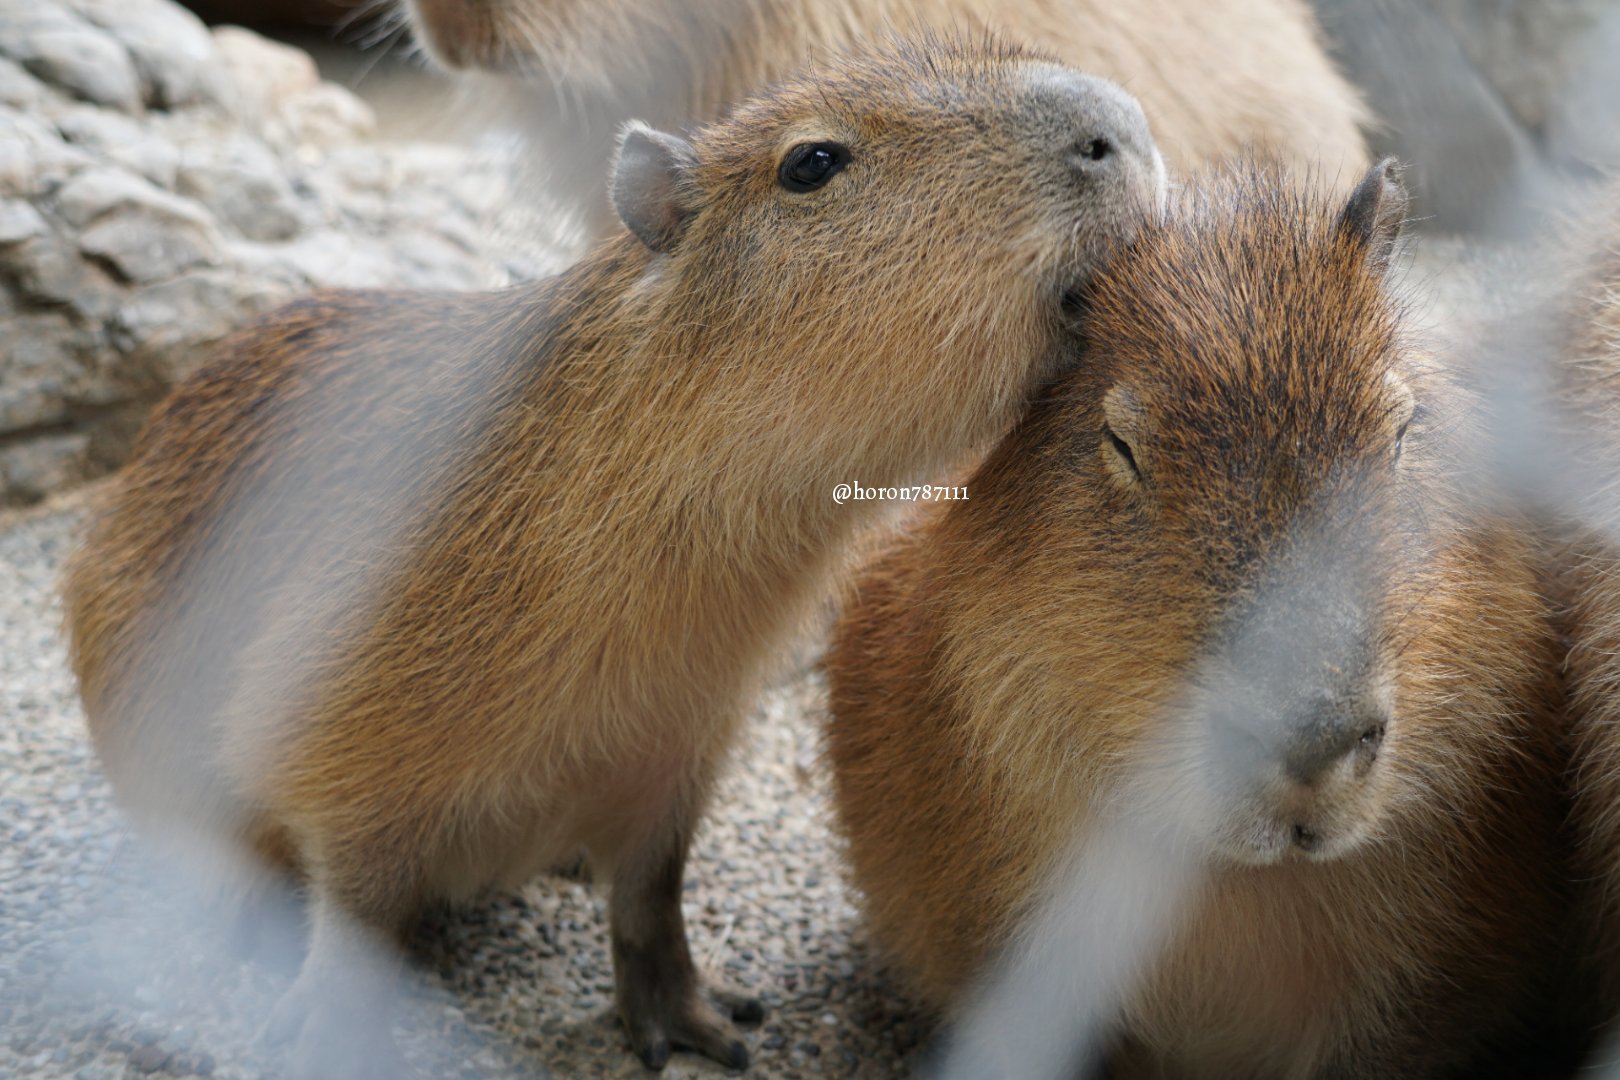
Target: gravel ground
(108,970)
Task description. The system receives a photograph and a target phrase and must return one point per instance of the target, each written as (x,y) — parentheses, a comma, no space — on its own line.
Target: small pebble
(149,1059)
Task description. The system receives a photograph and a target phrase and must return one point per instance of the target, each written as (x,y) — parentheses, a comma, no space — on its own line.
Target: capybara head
(1224,525)
(936,202)
(471,34)
(576,38)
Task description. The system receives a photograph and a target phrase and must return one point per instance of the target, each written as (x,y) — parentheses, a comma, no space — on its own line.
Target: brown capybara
(1583,326)
(1216,77)
(419,593)
(1232,562)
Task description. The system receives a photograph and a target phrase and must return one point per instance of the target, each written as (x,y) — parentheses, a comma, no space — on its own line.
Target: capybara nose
(1332,730)
(1101,131)
(1090,154)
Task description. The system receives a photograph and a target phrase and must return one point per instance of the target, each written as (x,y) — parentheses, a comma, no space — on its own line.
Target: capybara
(1581,329)
(1233,560)
(417,593)
(1216,77)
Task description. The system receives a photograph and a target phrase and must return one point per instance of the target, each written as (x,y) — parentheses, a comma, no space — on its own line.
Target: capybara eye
(1400,438)
(1123,449)
(811,165)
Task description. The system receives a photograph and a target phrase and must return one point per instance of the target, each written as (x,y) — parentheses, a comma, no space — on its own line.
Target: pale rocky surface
(160,184)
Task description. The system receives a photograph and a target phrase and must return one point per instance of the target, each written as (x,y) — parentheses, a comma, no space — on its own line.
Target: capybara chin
(417,593)
(1231,560)
(1216,77)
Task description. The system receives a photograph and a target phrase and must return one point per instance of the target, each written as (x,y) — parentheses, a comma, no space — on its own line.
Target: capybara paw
(694,1025)
(741,1008)
(286,1020)
(323,1040)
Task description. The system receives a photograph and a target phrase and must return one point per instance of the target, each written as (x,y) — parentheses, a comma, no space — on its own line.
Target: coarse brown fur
(1585,329)
(422,593)
(1017,659)
(1216,77)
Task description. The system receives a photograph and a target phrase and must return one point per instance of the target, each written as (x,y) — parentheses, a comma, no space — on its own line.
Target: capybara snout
(1295,697)
(1101,132)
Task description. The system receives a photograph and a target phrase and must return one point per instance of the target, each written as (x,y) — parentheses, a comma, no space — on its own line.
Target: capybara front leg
(661,998)
(335,1019)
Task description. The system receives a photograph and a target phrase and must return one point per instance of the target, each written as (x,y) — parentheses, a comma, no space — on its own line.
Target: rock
(16,166)
(99,191)
(34,469)
(49,271)
(359,170)
(143,232)
(24,405)
(435,259)
(241,182)
(144,248)
(44,373)
(85,62)
(327,115)
(123,141)
(138,227)
(326,259)
(18,89)
(171,323)
(148,1059)
(33,157)
(266,74)
(19,221)
(172,50)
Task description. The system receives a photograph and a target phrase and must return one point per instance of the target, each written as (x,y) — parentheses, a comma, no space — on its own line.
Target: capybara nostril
(1305,838)
(1107,131)
(1102,137)
(1094,149)
(1093,156)
(1326,737)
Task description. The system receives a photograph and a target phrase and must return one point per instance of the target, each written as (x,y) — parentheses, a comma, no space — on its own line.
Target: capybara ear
(1375,213)
(651,185)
